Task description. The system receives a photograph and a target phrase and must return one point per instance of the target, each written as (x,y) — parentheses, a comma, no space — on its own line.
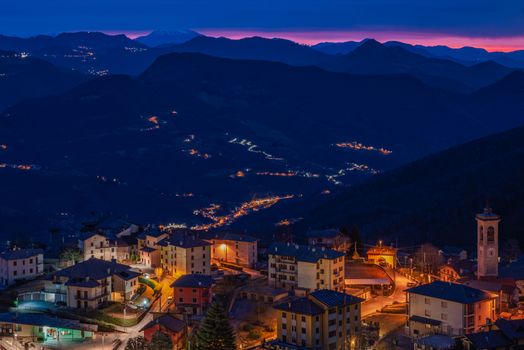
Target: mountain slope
(435,199)
(194,130)
(256,48)
(27,77)
(164,37)
(374,58)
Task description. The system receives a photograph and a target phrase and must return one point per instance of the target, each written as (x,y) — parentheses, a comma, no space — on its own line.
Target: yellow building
(383,255)
(182,254)
(293,266)
(324,319)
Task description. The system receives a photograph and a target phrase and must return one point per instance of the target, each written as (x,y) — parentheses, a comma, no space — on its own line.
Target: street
(371,306)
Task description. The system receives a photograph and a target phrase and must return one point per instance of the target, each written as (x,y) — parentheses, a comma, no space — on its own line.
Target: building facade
(487,243)
(383,255)
(192,293)
(149,248)
(20,264)
(448,308)
(324,319)
(293,266)
(182,254)
(90,283)
(235,249)
(97,245)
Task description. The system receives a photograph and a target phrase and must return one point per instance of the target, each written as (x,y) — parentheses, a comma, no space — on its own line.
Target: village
(123,284)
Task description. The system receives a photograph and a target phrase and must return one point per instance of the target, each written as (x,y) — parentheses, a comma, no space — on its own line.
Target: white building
(448,308)
(20,264)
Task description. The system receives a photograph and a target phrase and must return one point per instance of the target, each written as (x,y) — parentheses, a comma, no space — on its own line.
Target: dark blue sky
(444,18)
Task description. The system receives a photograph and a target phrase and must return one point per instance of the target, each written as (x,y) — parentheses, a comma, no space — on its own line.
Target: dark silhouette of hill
(256,48)
(100,54)
(434,199)
(166,37)
(371,57)
(122,134)
(26,77)
(464,55)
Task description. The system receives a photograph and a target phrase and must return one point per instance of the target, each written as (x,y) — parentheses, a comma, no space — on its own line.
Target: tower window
(491,234)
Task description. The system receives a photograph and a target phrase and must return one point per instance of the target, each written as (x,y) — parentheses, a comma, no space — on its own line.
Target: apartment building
(235,249)
(149,248)
(324,319)
(448,308)
(182,254)
(293,266)
(20,264)
(97,245)
(92,282)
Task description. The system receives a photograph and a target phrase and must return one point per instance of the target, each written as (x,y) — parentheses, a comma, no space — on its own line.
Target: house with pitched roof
(92,282)
(20,264)
(504,335)
(167,324)
(324,319)
(149,248)
(448,308)
(192,293)
(293,266)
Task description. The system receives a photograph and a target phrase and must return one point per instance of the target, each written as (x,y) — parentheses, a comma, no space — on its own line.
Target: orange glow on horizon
(311,37)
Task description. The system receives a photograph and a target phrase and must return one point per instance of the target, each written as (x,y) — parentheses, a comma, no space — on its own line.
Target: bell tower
(487,243)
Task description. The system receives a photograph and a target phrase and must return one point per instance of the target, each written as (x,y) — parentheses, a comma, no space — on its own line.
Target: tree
(215,332)
(71,255)
(161,341)
(137,343)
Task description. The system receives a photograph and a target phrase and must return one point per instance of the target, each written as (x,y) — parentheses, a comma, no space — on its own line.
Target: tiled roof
(184,241)
(167,321)
(20,254)
(303,253)
(436,342)
(332,298)
(302,306)
(513,329)
(85,284)
(193,281)
(329,233)
(93,268)
(128,275)
(488,340)
(451,291)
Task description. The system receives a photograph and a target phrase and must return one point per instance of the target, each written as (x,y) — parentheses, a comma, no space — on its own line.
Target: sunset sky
(494,25)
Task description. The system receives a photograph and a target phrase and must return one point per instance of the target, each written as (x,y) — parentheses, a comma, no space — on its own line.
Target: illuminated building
(293,266)
(324,319)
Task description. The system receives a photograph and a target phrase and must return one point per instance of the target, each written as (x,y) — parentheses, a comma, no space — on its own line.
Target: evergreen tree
(137,343)
(215,332)
(161,341)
